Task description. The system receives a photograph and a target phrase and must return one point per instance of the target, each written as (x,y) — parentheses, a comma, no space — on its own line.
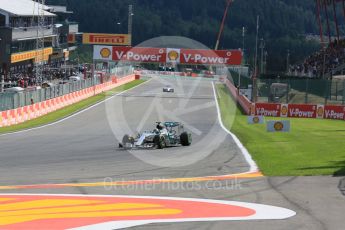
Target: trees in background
(284,23)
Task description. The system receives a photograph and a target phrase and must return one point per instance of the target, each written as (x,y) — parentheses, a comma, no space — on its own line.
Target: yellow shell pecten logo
(105,52)
(278,126)
(284,110)
(320,111)
(256,120)
(173,55)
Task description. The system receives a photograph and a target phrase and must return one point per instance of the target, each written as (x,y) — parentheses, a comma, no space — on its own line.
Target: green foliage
(83,54)
(283,24)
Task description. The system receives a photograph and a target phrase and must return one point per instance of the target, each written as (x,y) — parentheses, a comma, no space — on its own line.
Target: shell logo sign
(105,53)
(116,212)
(173,55)
(278,126)
(284,110)
(320,111)
(256,120)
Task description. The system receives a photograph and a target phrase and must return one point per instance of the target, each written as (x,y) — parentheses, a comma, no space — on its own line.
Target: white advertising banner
(278,126)
(102,52)
(256,120)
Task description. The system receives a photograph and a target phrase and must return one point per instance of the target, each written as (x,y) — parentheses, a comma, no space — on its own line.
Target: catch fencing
(296,91)
(29,112)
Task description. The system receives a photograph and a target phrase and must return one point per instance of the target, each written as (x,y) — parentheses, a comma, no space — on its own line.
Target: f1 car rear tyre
(185,139)
(158,141)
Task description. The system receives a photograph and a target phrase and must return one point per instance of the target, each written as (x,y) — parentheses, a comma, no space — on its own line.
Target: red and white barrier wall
(243,101)
(22,114)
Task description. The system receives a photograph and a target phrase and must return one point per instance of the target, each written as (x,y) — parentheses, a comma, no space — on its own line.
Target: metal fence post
(326,93)
(306,91)
(336,91)
(287,91)
(343,93)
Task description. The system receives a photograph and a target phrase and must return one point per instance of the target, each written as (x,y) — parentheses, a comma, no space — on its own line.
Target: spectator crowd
(322,62)
(27,78)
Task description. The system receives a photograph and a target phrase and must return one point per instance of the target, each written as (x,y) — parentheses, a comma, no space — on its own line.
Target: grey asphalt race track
(84,149)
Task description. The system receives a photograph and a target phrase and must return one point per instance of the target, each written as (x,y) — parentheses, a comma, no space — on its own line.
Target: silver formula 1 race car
(168,89)
(168,134)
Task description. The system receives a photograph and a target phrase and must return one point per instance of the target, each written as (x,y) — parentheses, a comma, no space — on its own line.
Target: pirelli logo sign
(107,39)
(33,54)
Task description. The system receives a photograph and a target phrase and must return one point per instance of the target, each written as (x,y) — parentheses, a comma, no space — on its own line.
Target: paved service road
(83,149)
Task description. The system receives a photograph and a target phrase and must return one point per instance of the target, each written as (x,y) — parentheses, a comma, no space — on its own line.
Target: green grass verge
(69,110)
(313,147)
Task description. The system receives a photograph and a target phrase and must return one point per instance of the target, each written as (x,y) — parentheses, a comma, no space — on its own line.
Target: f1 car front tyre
(127,141)
(159,142)
(185,139)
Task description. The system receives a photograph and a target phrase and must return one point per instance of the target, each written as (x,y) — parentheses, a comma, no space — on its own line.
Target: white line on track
(244,151)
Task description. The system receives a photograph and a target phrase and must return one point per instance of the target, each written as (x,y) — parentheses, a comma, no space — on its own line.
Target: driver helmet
(160,127)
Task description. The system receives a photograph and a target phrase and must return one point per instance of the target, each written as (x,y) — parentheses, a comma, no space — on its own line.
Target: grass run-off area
(69,110)
(313,147)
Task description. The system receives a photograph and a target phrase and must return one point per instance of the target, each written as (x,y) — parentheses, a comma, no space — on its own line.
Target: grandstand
(18,39)
(330,59)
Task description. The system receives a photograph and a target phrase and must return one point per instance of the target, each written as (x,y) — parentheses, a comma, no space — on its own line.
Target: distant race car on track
(168,89)
(169,134)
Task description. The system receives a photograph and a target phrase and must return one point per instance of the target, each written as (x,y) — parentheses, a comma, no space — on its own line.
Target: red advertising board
(164,55)
(334,112)
(302,111)
(71,38)
(268,110)
(139,54)
(211,57)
